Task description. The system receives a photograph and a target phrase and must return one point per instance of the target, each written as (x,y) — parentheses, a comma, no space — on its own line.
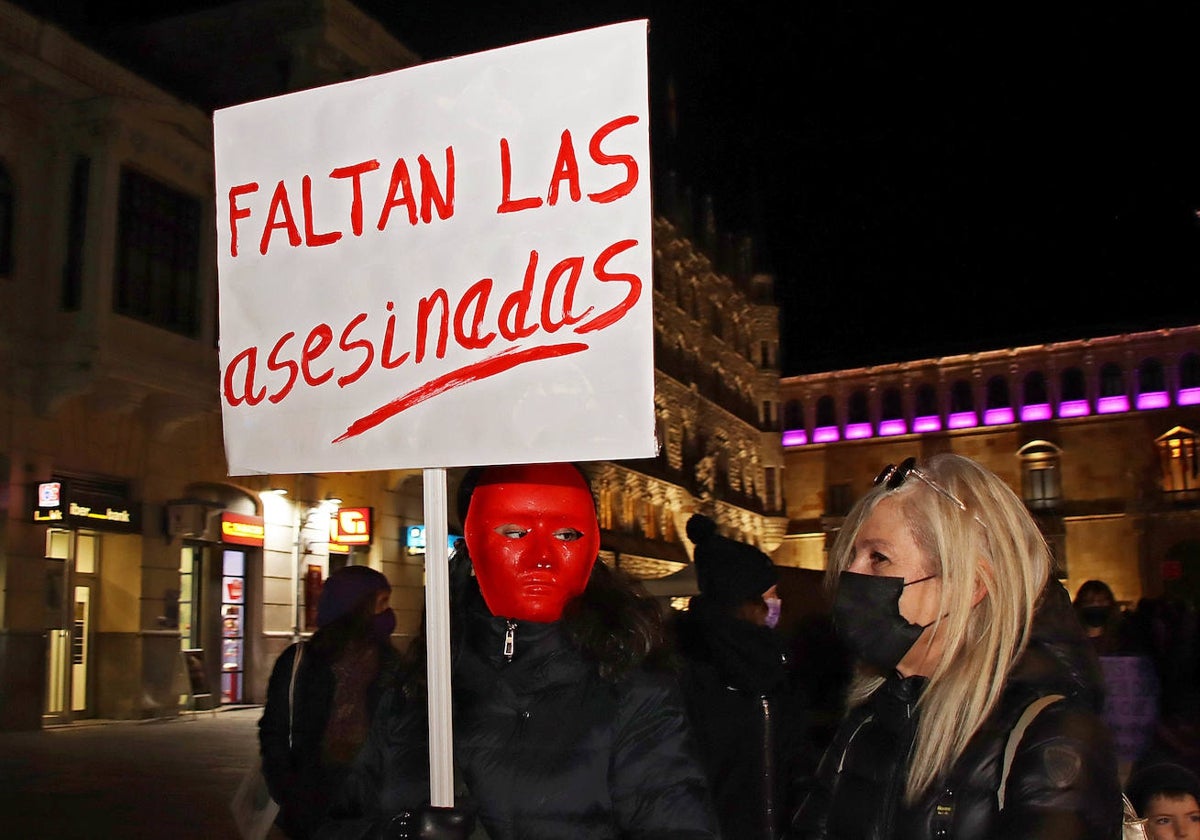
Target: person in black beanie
(746,706)
(309,737)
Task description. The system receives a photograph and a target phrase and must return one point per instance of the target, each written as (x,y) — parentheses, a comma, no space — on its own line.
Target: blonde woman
(944,593)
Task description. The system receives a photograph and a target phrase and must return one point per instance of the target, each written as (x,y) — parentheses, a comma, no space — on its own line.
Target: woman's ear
(981,582)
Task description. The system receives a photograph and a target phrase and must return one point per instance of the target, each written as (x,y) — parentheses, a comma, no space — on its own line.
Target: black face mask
(1096,616)
(866,615)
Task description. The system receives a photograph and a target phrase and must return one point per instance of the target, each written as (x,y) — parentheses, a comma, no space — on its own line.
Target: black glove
(429,823)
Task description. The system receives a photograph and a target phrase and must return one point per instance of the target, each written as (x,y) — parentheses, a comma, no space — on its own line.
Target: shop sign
(414,539)
(57,504)
(242,529)
(349,527)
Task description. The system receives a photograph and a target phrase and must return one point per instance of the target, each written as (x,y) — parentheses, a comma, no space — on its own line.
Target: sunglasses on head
(893,476)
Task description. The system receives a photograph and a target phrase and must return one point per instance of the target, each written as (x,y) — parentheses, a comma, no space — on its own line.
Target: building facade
(136,576)
(1098,436)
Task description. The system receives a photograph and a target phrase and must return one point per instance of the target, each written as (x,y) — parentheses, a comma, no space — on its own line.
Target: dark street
(157,779)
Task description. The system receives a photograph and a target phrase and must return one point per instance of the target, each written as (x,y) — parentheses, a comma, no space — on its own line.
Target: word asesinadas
(434,196)
(549,306)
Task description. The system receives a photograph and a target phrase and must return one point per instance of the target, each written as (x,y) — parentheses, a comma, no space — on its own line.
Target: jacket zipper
(768,769)
(509,638)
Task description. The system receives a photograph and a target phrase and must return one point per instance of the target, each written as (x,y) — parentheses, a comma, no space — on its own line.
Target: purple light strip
(858,431)
(998,416)
(1188,396)
(962,420)
(1074,408)
(1152,399)
(1112,405)
(795,437)
(928,423)
(1037,411)
(887,428)
(825,434)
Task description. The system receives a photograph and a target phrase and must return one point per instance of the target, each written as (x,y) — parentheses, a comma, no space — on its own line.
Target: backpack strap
(1014,738)
(292,689)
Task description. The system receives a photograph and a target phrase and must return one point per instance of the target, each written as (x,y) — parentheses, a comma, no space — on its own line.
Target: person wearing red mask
(568,718)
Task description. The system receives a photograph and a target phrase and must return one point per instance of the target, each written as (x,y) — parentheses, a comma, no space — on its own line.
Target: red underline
(505,360)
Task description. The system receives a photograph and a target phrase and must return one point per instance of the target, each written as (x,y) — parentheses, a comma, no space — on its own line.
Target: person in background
(307,750)
(1101,617)
(944,593)
(1168,797)
(1131,680)
(746,708)
(567,716)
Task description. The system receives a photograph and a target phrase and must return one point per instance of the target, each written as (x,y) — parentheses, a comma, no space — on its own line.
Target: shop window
(1113,396)
(1041,483)
(1178,461)
(190,596)
(7,213)
(233,628)
(1073,396)
(158,255)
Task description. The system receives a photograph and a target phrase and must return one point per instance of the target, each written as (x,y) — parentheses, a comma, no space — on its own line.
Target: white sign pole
(437,640)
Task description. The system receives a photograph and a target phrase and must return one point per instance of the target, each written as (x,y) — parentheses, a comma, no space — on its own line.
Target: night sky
(922,179)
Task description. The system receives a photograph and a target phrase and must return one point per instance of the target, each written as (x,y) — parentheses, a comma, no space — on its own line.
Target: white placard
(441,266)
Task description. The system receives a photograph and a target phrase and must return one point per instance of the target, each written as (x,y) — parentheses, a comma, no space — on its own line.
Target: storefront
(90,521)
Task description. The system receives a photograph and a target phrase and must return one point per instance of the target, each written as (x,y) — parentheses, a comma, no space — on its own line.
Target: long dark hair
(615,624)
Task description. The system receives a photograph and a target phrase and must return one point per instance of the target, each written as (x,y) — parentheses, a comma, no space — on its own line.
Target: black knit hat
(1149,782)
(728,570)
(346,589)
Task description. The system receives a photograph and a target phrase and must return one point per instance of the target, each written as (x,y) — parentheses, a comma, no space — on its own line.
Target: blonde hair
(995,545)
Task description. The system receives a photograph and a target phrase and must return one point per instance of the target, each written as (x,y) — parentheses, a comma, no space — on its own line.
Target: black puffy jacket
(546,748)
(1063,783)
(749,714)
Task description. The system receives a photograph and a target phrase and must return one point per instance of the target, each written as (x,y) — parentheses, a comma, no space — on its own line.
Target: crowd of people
(974,696)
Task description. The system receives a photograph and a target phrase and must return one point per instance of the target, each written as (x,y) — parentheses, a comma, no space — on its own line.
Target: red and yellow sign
(349,527)
(242,529)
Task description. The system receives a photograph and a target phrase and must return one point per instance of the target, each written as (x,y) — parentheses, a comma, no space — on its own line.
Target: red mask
(532,534)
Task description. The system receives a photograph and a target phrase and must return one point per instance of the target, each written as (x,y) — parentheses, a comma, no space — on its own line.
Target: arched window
(1073,398)
(1189,380)
(1113,397)
(1178,461)
(858,417)
(1041,486)
(1151,386)
(7,211)
(891,419)
(962,406)
(1035,404)
(826,429)
(927,418)
(998,409)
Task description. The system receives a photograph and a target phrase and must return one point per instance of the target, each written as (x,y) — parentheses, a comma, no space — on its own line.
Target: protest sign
(440,266)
